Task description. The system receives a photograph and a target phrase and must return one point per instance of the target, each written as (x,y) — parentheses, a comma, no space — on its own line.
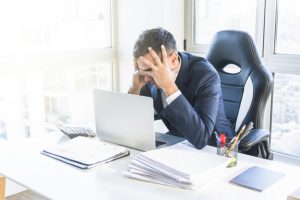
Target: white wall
(135,16)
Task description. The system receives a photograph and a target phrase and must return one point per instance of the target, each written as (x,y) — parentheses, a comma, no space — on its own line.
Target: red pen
(223,138)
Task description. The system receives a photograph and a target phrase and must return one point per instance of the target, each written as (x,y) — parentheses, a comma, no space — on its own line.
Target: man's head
(154,38)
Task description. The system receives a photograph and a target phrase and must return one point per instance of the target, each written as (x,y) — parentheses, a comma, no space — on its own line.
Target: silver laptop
(128,120)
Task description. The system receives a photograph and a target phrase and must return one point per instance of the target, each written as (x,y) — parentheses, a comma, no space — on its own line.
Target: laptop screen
(124,119)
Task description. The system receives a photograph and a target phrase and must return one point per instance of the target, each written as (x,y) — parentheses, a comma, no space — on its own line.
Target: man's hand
(138,81)
(161,71)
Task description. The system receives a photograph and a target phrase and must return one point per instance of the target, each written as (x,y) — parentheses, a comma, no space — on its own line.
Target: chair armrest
(254,137)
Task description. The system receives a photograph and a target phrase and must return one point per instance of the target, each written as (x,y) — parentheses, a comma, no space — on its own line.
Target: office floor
(25,195)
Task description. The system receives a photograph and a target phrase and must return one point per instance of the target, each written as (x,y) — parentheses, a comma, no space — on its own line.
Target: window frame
(191,46)
(280,63)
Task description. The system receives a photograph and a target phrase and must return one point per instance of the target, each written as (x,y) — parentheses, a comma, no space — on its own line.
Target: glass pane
(288,27)
(68,97)
(33,102)
(212,16)
(54,25)
(285,137)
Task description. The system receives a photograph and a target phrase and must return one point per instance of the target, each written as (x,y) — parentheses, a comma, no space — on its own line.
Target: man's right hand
(138,81)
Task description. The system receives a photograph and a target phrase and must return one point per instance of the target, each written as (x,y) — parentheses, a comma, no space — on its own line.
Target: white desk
(24,164)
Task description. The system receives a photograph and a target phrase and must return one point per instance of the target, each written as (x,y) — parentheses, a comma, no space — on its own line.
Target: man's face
(141,66)
(172,64)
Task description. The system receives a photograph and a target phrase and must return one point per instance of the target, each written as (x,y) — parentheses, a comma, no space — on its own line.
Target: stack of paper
(85,152)
(178,165)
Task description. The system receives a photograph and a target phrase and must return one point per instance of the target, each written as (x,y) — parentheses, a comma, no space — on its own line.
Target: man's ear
(173,58)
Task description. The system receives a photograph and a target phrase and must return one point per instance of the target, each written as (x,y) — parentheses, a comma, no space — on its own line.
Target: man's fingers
(135,64)
(164,55)
(145,73)
(154,56)
(175,70)
(145,64)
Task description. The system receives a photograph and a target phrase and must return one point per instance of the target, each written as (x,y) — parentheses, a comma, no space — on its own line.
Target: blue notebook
(257,178)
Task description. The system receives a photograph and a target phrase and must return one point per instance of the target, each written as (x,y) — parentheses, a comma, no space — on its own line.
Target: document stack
(85,152)
(179,165)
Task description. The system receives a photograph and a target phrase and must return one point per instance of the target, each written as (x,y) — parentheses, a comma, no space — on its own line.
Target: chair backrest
(245,93)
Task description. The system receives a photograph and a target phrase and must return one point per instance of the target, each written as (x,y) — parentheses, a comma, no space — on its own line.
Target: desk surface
(23,163)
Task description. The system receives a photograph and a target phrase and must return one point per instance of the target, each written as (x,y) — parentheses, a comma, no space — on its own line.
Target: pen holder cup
(228,149)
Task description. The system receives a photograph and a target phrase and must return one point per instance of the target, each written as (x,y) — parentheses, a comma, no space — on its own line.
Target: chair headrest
(233,47)
(238,48)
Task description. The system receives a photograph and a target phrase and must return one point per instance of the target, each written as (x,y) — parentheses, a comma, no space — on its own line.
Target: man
(186,89)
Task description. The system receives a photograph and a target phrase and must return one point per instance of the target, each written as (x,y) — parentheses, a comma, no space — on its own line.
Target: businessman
(186,89)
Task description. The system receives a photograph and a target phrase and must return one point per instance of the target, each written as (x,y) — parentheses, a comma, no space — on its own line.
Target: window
(52,54)
(210,16)
(69,96)
(43,25)
(283,56)
(286,114)
(274,24)
(288,27)
(214,15)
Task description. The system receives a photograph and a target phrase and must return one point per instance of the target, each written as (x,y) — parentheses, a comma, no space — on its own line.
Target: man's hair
(154,38)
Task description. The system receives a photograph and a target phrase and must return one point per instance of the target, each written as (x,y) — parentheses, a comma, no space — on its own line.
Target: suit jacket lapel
(183,72)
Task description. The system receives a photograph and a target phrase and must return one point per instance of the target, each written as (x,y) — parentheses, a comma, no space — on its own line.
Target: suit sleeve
(197,122)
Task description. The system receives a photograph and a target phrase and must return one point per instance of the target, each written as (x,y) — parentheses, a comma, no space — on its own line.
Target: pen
(222,144)
(227,152)
(247,130)
(231,141)
(222,138)
(217,136)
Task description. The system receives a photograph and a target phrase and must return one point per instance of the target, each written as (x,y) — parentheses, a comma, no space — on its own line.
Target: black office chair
(245,92)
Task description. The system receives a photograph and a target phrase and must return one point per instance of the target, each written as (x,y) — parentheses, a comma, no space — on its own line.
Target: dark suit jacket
(199,109)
